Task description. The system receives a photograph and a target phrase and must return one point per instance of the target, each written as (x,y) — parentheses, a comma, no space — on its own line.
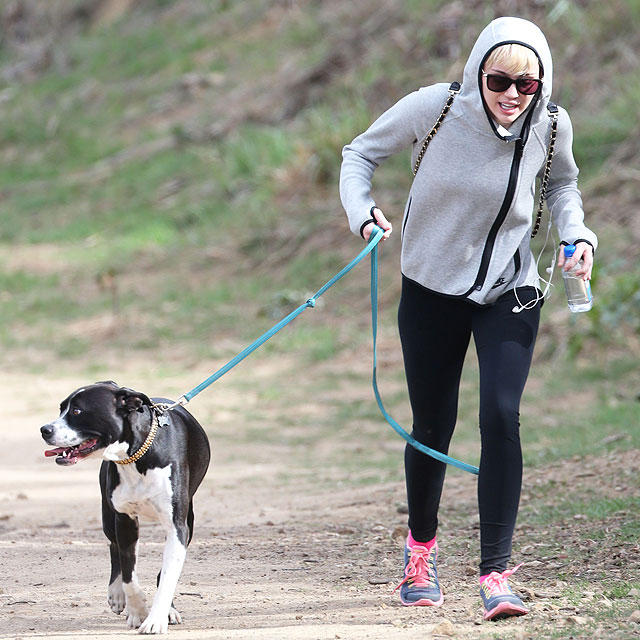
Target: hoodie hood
(496,33)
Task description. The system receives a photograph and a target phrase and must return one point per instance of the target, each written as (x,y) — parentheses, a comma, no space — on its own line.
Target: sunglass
(499,84)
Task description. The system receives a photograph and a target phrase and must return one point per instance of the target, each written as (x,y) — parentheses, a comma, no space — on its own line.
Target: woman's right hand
(381,221)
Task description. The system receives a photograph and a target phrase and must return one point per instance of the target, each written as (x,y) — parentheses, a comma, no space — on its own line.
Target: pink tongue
(53,452)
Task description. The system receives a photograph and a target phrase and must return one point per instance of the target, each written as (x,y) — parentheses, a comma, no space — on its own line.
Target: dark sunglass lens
(527,86)
(498,83)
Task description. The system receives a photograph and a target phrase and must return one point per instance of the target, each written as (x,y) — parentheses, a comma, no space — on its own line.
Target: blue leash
(371,248)
(396,427)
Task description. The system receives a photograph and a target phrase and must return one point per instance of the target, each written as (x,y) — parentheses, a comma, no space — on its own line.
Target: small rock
(579,620)
(470,571)
(445,628)
(399,534)
(346,531)
(380,580)
(634,593)
(635,616)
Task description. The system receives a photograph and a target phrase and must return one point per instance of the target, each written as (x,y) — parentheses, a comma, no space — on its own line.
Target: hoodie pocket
(506,278)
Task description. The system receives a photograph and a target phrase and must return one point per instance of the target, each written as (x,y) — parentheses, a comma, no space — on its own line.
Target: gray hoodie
(467,222)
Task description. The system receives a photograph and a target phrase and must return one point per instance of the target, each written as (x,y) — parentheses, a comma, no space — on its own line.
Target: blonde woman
(468,270)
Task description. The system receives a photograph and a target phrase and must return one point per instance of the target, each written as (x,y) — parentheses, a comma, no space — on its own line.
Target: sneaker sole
(424,602)
(505,610)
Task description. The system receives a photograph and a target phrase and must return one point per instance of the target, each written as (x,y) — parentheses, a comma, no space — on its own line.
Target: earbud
(517,309)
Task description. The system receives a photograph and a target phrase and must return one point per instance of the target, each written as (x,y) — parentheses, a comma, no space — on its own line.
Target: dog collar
(146,444)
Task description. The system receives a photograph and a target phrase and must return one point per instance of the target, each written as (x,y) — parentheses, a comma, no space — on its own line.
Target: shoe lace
(496,583)
(421,567)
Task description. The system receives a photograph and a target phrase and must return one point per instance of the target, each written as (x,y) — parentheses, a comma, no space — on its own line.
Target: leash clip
(162,407)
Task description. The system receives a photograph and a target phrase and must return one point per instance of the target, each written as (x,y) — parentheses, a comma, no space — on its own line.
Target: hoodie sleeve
(563,196)
(393,131)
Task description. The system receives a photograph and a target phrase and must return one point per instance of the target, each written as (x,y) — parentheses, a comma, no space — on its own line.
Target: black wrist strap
(365,223)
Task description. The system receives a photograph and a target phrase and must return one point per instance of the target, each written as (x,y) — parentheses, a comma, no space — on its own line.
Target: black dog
(154,462)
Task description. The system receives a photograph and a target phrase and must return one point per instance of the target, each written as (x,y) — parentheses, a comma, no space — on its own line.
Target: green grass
(191,234)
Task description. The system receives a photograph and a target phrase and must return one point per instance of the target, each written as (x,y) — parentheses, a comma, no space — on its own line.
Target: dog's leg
(174,614)
(115,593)
(127,535)
(175,551)
(172,562)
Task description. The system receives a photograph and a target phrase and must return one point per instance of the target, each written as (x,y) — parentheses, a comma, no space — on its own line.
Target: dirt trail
(269,559)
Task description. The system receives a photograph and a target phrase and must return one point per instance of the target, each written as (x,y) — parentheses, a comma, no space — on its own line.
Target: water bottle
(579,296)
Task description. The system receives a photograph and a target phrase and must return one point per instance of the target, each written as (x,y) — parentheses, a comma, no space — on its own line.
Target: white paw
(115,596)
(174,616)
(136,612)
(155,623)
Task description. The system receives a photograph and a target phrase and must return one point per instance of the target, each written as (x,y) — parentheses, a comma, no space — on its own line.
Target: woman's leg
(504,343)
(435,333)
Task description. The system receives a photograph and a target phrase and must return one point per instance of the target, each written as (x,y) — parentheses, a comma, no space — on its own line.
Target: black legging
(435,333)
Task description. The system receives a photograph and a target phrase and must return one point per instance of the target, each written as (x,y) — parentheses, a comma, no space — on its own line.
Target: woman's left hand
(584,252)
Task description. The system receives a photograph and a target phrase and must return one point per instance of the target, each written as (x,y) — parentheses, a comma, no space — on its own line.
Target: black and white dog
(154,461)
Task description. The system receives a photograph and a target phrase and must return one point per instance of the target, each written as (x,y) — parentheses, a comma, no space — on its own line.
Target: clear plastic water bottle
(579,296)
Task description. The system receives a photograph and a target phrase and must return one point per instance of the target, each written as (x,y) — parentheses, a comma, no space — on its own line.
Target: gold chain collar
(146,444)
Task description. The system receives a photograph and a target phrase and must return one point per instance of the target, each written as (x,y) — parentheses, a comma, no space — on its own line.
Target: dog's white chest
(145,496)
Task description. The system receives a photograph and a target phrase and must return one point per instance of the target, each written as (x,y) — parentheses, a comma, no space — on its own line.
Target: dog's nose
(46,431)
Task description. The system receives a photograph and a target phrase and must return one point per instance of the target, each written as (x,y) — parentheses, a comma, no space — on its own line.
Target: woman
(467,269)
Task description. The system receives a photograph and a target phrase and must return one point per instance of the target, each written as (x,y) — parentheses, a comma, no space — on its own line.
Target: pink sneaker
(498,599)
(420,586)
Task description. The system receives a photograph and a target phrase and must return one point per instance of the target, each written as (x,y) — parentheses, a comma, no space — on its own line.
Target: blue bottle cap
(569,250)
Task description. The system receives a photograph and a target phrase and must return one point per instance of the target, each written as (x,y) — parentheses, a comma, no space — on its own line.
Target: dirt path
(272,557)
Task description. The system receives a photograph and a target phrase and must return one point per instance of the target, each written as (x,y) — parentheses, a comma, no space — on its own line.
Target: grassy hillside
(168,169)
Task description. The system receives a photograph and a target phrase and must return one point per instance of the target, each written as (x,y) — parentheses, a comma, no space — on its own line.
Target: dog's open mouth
(71,455)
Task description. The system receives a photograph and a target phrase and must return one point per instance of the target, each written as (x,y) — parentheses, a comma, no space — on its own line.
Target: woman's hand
(583,251)
(381,221)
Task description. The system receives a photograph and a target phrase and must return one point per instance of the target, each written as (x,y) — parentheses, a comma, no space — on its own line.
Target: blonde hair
(515,59)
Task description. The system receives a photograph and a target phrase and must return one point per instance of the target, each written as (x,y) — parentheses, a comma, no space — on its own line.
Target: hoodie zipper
(406,217)
(500,218)
(513,177)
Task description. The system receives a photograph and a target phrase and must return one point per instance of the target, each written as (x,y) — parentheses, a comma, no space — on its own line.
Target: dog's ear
(109,383)
(128,400)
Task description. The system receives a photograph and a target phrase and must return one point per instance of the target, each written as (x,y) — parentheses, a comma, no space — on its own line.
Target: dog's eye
(75,411)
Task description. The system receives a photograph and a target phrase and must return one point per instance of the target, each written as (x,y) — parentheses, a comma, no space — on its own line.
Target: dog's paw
(136,609)
(136,612)
(116,597)
(174,616)
(155,623)
(135,618)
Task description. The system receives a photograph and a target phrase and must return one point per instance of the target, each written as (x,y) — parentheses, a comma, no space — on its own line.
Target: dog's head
(91,419)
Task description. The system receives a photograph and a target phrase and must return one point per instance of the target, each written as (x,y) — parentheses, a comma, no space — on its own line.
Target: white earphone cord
(532,303)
